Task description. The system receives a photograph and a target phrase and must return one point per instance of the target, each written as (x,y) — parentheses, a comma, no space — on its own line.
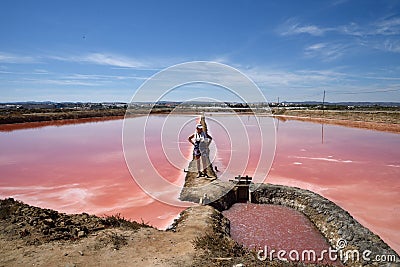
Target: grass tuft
(118,221)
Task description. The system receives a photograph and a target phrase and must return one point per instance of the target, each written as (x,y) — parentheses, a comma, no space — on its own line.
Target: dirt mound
(34,236)
(36,225)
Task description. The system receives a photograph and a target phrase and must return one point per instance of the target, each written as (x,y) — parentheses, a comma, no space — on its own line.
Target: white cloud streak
(325,51)
(309,82)
(292,27)
(390,26)
(301,85)
(392,46)
(103,59)
(112,60)
(16,59)
(385,27)
(382,27)
(79,79)
(382,34)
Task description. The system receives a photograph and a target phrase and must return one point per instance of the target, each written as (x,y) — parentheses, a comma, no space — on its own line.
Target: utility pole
(323,104)
(277,107)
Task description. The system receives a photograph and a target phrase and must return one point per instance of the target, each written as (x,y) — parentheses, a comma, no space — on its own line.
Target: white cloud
(118,61)
(103,59)
(66,82)
(80,79)
(60,81)
(381,27)
(308,84)
(40,71)
(292,27)
(387,44)
(112,60)
(325,51)
(382,34)
(16,59)
(80,76)
(385,26)
(391,45)
(310,29)
(351,29)
(294,79)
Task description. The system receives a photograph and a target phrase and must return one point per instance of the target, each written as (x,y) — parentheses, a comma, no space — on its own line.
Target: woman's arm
(190,139)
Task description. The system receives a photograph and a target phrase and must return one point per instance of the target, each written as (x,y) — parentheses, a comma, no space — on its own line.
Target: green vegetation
(8,116)
(379,116)
(118,221)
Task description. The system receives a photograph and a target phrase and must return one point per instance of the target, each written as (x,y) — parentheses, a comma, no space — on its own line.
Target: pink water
(357,169)
(76,168)
(272,227)
(81,168)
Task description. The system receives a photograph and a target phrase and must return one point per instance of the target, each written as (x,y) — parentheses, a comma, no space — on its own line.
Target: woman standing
(201,142)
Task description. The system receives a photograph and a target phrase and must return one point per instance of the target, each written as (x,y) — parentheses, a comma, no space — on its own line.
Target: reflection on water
(81,167)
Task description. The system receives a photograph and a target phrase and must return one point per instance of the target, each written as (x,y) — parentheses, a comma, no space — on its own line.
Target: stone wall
(335,224)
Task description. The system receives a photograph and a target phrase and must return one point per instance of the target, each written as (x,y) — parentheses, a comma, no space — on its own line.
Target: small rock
(75,231)
(330,218)
(45,231)
(24,232)
(81,234)
(48,221)
(81,252)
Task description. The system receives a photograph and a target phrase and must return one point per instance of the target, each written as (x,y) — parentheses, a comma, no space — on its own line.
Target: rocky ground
(34,236)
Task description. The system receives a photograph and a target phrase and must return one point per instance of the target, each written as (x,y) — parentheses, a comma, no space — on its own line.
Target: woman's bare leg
(204,161)
(198,165)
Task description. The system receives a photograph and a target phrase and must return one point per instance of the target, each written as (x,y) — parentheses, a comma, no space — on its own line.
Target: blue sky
(104,50)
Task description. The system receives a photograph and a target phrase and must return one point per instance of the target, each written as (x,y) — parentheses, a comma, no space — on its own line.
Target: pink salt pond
(81,168)
(273,228)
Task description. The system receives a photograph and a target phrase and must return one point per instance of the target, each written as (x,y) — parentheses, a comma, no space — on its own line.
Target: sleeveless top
(199,137)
